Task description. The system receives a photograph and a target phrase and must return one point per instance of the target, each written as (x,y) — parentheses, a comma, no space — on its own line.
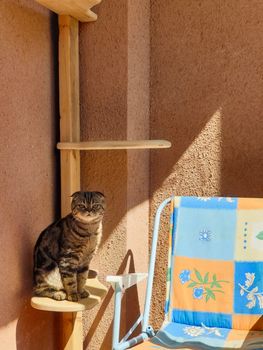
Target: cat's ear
(100,194)
(75,194)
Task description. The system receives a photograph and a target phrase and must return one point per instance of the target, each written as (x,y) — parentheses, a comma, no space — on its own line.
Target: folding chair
(214,294)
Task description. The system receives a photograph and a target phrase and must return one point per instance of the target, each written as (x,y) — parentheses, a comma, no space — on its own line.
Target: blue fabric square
(197,318)
(209,202)
(207,234)
(248,288)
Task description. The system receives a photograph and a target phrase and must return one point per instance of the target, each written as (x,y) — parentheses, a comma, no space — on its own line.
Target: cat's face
(88,206)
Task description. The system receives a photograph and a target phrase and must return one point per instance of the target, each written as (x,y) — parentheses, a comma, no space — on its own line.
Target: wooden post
(72,337)
(69,107)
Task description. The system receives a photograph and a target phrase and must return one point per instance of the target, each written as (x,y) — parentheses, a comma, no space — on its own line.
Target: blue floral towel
(215,275)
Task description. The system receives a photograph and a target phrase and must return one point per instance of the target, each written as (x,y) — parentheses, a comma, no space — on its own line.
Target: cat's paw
(73,297)
(60,295)
(84,294)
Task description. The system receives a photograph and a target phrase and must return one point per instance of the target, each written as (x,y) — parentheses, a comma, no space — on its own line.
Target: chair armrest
(126,281)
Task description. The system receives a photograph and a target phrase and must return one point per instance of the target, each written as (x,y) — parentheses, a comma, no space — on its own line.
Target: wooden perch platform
(97,293)
(79,9)
(110,145)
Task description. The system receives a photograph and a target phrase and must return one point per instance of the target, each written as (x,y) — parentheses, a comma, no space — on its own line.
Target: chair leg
(117,317)
(71,331)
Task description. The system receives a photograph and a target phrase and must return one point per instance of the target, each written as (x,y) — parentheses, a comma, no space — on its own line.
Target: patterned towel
(215,275)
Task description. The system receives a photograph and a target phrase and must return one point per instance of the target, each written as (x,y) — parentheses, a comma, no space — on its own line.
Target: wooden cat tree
(70,13)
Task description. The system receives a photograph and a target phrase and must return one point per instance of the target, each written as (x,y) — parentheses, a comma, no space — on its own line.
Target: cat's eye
(81,206)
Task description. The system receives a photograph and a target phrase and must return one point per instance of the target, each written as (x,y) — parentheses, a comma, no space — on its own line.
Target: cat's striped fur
(64,250)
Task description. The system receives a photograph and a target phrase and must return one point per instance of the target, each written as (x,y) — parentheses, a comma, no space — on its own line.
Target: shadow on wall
(211,61)
(28,167)
(30,327)
(205,63)
(206,84)
(206,98)
(130,298)
(103,96)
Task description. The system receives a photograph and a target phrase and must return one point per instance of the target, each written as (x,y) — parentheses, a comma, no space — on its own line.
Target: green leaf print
(192,284)
(204,287)
(206,277)
(210,294)
(198,276)
(215,284)
(260,235)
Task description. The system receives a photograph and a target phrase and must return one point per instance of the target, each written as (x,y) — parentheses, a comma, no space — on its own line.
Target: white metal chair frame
(122,282)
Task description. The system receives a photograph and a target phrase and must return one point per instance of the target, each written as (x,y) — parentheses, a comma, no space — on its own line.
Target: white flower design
(205,235)
(204,199)
(260,301)
(250,277)
(252,300)
(228,199)
(252,295)
(219,199)
(194,331)
(212,330)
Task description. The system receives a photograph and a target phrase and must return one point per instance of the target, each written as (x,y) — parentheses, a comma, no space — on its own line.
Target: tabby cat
(64,250)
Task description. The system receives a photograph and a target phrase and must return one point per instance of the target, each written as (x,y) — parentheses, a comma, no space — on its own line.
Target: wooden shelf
(79,9)
(97,293)
(111,145)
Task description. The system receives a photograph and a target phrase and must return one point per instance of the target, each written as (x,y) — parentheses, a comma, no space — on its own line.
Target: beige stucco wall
(206,98)
(204,94)
(114,73)
(27,167)
(187,71)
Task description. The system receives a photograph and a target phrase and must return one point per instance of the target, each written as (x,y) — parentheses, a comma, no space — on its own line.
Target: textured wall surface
(27,167)
(206,98)
(186,71)
(114,72)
